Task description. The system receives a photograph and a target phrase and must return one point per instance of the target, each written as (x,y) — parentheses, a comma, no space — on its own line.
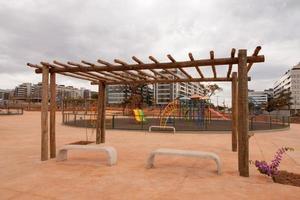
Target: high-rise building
(290,82)
(167,92)
(116,94)
(259,98)
(23,91)
(33,92)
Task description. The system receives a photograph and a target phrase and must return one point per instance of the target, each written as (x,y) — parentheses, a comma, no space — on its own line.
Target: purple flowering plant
(271,169)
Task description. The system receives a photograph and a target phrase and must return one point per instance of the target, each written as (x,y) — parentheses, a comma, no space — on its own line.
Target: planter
(82,142)
(287,178)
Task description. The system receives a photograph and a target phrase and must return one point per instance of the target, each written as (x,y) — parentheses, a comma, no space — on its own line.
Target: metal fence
(11,111)
(260,122)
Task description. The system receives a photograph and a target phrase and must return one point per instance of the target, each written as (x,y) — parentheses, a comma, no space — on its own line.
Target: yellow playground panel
(139,115)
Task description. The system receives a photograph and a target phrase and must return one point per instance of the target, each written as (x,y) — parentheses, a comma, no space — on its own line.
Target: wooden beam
(44,114)
(62,73)
(152,70)
(185,80)
(234,111)
(130,75)
(183,64)
(99,114)
(103,113)
(107,74)
(64,66)
(140,71)
(243,126)
(128,72)
(166,70)
(230,65)
(255,53)
(197,68)
(182,70)
(88,74)
(212,57)
(52,114)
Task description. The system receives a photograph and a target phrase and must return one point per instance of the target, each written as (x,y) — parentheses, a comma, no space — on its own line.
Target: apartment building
(117,93)
(24,91)
(290,82)
(27,91)
(260,97)
(167,92)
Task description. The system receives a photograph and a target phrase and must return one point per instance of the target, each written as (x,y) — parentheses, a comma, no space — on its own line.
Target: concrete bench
(186,153)
(110,151)
(162,127)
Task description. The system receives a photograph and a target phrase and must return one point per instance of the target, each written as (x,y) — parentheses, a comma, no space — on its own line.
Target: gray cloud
(32,31)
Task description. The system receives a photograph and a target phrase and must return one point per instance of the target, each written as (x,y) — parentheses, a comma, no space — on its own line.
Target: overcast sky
(34,31)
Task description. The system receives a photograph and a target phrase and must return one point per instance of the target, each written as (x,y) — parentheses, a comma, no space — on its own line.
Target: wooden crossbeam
(182,70)
(212,57)
(120,75)
(152,70)
(63,73)
(230,65)
(58,65)
(140,71)
(128,72)
(166,70)
(168,65)
(87,74)
(219,79)
(197,68)
(110,74)
(255,53)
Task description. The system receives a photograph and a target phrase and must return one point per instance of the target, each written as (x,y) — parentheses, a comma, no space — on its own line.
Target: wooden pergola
(104,73)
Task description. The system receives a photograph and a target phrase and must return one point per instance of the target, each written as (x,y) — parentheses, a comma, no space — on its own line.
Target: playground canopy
(104,73)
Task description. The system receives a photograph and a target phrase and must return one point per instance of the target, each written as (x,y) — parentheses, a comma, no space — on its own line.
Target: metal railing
(260,122)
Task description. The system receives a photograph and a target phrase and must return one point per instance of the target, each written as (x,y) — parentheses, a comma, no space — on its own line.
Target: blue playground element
(193,109)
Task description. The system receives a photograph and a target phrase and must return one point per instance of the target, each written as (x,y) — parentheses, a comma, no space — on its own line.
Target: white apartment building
(290,82)
(117,93)
(167,92)
(24,91)
(34,92)
(260,97)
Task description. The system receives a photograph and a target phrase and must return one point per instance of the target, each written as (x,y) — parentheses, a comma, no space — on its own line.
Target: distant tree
(211,89)
(280,102)
(94,95)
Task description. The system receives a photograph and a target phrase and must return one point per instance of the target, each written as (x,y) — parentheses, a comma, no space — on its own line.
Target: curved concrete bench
(110,151)
(186,153)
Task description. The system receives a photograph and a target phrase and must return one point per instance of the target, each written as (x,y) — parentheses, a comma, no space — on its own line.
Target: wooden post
(234,111)
(44,114)
(103,113)
(243,125)
(100,126)
(52,115)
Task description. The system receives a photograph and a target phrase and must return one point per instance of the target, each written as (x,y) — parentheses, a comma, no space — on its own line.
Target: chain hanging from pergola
(121,73)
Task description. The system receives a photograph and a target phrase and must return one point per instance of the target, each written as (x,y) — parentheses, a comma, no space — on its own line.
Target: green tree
(211,89)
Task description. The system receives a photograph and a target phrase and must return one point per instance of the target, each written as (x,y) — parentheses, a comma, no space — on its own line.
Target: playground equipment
(218,114)
(139,115)
(188,108)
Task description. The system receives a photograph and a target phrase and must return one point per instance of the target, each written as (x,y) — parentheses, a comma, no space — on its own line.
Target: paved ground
(86,176)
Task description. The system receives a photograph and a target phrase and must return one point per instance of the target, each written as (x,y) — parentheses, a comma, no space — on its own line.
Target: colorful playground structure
(139,115)
(196,108)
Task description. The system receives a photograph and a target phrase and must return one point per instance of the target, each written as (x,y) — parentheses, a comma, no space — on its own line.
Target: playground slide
(139,115)
(218,114)
(142,116)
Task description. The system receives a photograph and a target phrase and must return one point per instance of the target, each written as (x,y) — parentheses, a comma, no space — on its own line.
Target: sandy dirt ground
(85,175)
